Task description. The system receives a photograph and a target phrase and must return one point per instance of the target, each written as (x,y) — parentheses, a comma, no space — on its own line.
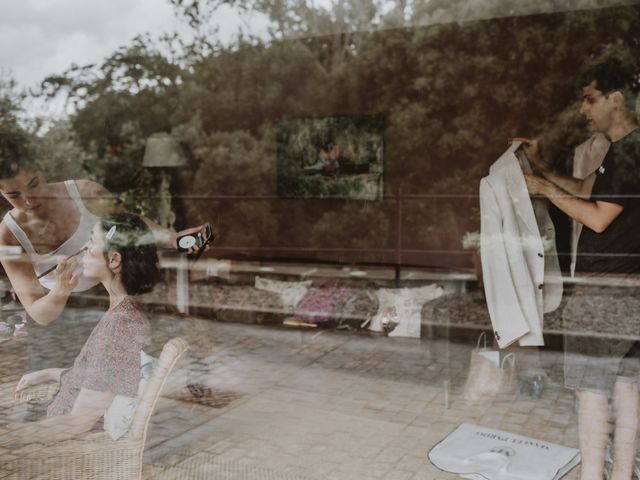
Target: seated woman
(121,254)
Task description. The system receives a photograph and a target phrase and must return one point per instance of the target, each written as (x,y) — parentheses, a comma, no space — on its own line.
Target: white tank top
(75,242)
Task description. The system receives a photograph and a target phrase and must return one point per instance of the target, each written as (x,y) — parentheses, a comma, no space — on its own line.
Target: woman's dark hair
(135,242)
(16,150)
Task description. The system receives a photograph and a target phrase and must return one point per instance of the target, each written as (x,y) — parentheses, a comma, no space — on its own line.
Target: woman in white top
(49,221)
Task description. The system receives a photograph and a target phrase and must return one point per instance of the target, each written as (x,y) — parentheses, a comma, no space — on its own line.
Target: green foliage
(320,187)
(290,17)
(16,142)
(10,100)
(59,156)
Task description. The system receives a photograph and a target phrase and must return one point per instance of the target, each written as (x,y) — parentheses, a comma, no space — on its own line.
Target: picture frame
(331,157)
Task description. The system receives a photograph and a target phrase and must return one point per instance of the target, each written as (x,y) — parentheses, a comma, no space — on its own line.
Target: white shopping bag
(481,453)
(488,376)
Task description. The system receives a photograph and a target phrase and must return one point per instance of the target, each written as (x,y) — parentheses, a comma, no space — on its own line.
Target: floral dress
(110,359)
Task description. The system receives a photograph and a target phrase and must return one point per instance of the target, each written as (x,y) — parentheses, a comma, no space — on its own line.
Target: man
(607,204)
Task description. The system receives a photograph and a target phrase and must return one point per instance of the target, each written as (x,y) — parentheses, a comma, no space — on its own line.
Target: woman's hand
(66,278)
(30,379)
(192,231)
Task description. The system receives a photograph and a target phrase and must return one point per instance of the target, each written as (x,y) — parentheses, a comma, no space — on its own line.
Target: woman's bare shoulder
(89,188)
(6,235)
(97,198)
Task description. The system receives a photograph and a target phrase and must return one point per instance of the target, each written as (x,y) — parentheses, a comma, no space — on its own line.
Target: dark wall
(451,94)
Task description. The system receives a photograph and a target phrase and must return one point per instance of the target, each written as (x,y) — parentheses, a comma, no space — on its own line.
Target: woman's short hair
(128,235)
(16,150)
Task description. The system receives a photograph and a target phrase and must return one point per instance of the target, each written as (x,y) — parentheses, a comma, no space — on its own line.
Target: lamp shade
(162,150)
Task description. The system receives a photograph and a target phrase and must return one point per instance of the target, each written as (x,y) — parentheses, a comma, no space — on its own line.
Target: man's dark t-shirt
(617,249)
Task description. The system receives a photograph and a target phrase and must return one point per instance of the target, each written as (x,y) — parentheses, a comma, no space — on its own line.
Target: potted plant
(471,242)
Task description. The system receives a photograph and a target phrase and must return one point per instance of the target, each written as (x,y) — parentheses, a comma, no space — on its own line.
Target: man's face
(597,108)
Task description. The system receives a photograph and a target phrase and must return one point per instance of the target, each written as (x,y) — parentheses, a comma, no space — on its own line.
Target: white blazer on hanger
(520,269)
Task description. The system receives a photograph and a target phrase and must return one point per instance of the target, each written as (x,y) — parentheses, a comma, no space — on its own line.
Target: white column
(182,284)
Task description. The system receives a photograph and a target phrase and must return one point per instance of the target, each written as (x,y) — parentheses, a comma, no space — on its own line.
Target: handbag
(477,452)
(487,374)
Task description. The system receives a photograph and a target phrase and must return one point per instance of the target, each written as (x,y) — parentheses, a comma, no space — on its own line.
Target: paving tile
(343,406)
(399,475)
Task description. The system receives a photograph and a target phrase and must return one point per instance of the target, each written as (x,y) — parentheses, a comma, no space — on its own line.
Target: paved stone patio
(278,403)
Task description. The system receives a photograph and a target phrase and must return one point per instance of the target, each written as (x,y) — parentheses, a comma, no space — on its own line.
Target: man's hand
(532,149)
(537,185)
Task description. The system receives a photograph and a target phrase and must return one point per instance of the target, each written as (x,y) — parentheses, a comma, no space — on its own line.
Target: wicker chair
(95,455)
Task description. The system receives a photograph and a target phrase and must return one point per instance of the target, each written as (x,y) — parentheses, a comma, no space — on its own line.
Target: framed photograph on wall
(331,157)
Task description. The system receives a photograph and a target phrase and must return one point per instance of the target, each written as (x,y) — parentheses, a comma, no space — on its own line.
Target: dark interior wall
(451,94)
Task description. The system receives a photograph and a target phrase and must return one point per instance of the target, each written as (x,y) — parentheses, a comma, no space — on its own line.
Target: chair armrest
(38,393)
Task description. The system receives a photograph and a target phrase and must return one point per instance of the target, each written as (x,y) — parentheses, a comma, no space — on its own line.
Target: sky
(44,37)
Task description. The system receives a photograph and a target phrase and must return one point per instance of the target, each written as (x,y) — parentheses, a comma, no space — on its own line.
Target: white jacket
(520,269)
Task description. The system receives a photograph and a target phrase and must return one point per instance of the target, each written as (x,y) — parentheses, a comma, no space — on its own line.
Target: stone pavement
(274,403)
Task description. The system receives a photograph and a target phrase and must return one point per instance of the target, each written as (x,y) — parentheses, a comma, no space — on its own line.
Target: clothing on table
(520,268)
(109,360)
(617,249)
(322,302)
(42,262)
(588,156)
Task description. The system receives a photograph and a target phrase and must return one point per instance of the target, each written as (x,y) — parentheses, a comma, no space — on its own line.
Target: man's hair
(127,234)
(16,150)
(611,76)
